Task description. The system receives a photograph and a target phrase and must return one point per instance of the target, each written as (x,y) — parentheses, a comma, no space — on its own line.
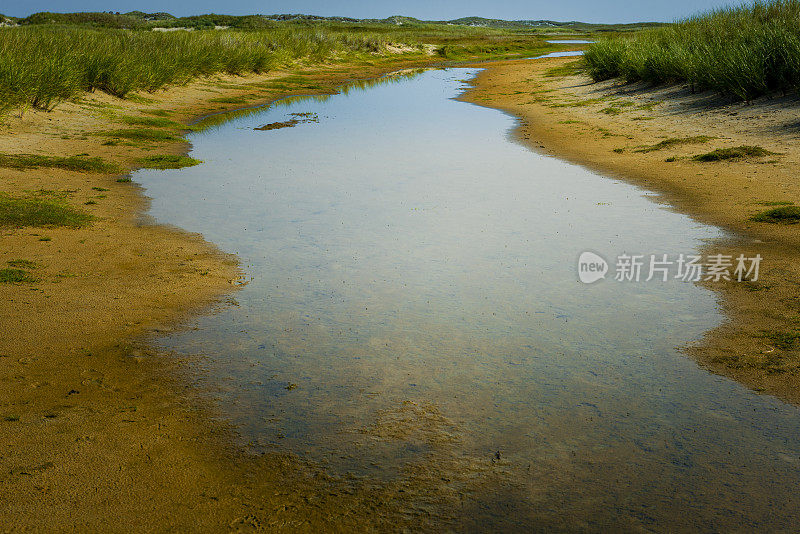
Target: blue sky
(583,10)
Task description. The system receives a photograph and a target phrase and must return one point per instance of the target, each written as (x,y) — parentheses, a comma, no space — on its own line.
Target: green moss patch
(168,161)
(739,152)
(783,214)
(675,141)
(70,163)
(15,276)
(40,212)
(140,134)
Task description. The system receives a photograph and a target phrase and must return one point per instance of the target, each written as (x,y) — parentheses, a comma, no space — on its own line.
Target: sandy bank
(98,432)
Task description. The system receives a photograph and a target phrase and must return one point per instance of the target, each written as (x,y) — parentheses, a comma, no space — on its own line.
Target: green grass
(230,100)
(168,161)
(140,134)
(39,212)
(54,57)
(70,163)
(567,69)
(675,141)
(22,264)
(776,203)
(783,340)
(158,112)
(739,152)
(741,52)
(15,276)
(783,214)
(157,122)
(41,66)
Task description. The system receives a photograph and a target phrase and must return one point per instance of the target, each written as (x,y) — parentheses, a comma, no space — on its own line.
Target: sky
(561,10)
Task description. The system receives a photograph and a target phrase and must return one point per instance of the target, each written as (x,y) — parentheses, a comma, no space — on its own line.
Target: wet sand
(603,125)
(101,434)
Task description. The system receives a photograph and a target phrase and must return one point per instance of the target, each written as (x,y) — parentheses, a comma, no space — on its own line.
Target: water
(570,53)
(414,302)
(570,41)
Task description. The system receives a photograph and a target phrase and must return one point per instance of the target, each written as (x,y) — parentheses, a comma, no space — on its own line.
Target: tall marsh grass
(742,52)
(41,66)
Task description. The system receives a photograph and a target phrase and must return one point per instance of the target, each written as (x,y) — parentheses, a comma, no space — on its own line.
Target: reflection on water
(414,296)
(570,53)
(570,41)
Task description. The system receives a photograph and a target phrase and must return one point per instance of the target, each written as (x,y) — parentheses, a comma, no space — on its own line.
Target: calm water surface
(414,296)
(569,41)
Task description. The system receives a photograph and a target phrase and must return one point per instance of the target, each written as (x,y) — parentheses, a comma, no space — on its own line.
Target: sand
(101,433)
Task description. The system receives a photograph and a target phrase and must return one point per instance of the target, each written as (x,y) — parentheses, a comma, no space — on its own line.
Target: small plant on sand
(739,152)
(22,264)
(783,214)
(157,122)
(229,100)
(41,212)
(15,276)
(79,163)
(158,112)
(572,68)
(168,161)
(140,134)
(675,141)
(776,203)
(783,340)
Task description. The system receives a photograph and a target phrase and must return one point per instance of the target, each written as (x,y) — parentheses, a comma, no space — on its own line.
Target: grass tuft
(157,122)
(140,134)
(15,276)
(675,141)
(23,264)
(19,212)
(71,163)
(744,151)
(168,161)
(783,214)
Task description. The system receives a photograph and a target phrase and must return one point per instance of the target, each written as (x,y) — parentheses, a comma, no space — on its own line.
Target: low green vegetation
(742,52)
(744,151)
(22,264)
(15,276)
(52,57)
(567,69)
(41,66)
(783,214)
(168,161)
(40,212)
(156,122)
(229,100)
(675,141)
(70,163)
(783,340)
(140,134)
(776,203)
